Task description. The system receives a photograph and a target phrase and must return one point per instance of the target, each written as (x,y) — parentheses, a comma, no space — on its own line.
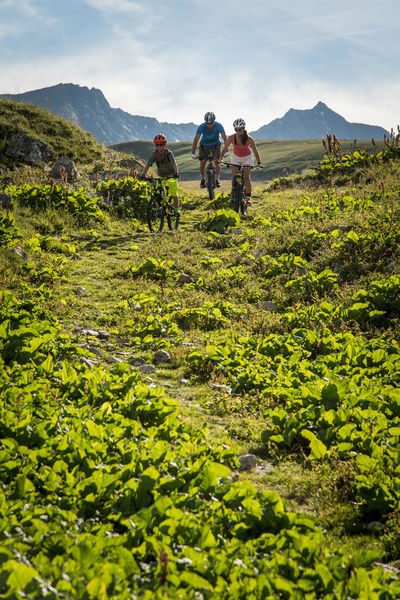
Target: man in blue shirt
(208,133)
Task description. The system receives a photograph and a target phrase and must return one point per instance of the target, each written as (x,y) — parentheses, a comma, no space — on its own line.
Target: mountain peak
(315,123)
(321,106)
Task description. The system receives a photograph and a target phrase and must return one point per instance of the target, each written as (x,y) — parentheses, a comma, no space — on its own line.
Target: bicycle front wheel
(173,216)
(211,185)
(155,215)
(237,197)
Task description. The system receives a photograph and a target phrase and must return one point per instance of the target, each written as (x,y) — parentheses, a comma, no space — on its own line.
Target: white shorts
(245,161)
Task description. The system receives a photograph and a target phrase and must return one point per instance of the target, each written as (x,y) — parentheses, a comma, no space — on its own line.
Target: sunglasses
(160,144)
(239,128)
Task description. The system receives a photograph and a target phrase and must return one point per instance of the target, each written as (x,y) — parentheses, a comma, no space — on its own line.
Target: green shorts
(170,185)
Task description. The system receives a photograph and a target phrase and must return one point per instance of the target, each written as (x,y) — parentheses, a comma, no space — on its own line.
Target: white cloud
(151,59)
(116,6)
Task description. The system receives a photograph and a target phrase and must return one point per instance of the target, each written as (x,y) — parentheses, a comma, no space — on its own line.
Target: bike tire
(243,205)
(237,197)
(155,215)
(173,216)
(211,185)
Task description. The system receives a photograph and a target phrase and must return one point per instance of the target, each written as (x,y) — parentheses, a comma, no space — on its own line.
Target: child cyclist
(243,153)
(166,166)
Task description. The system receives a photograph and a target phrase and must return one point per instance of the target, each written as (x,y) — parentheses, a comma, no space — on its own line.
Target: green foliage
(41,197)
(208,316)
(221,221)
(9,233)
(154,269)
(106,493)
(125,198)
(106,489)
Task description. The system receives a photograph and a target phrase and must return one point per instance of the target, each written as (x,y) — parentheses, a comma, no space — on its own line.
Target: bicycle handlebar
(240,167)
(150,178)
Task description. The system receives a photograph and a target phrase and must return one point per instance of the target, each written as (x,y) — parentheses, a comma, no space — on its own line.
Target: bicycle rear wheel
(173,215)
(155,215)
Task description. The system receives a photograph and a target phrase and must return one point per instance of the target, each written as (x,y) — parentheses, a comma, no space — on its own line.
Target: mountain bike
(160,206)
(210,174)
(238,188)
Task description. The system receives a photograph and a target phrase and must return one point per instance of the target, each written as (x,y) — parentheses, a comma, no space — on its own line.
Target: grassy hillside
(139,371)
(279,158)
(64,138)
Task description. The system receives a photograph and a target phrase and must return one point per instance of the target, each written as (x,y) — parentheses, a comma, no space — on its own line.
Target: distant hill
(315,123)
(279,158)
(63,137)
(89,109)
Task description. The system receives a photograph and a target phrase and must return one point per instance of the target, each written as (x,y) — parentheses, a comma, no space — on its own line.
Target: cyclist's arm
(195,142)
(253,146)
(228,142)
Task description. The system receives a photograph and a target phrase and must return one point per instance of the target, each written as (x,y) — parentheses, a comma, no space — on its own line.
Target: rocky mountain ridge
(90,110)
(315,123)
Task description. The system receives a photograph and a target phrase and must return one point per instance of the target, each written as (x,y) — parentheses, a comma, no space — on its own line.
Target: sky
(177,59)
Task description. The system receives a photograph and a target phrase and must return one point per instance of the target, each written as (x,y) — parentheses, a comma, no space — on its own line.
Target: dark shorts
(204,150)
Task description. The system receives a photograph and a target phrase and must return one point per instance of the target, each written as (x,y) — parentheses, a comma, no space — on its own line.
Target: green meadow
(209,413)
(279,158)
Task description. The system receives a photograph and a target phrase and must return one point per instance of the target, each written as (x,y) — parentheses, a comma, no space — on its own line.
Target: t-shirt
(209,135)
(165,163)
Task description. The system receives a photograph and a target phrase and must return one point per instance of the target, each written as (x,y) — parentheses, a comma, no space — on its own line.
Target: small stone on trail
(80,291)
(184,278)
(161,356)
(146,368)
(248,462)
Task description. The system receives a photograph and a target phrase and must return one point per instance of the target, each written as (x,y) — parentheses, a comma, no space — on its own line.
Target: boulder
(65,169)
(161,356)
(28,150)
(248,462)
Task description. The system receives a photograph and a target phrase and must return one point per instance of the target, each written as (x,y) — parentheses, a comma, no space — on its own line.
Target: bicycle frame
(160,206)
(210,174)
(238,188)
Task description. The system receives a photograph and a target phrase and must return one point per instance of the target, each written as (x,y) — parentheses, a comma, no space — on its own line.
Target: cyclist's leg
(216,155)
(171,190)
(203,160)
(247,180)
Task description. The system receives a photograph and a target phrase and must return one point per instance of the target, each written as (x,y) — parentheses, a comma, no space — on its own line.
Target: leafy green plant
(154,269)
(43,196)
(208,316)
(9,233)
(126,197)
(221,221)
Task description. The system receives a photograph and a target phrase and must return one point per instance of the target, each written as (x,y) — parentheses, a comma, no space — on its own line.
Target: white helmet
(239,124)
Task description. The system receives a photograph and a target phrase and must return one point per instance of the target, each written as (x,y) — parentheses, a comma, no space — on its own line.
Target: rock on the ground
(28,150)
(161,356)
(248,462)
(64,168)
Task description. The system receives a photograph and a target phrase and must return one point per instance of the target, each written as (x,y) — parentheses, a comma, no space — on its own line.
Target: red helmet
(160,139)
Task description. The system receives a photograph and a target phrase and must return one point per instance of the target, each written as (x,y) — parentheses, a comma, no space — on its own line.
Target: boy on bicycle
(166,166)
